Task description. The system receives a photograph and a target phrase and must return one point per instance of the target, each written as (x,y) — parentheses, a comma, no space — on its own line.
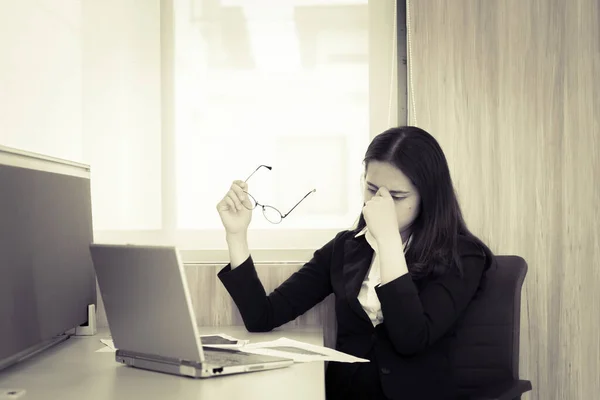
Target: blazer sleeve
(300,292)
(415,321)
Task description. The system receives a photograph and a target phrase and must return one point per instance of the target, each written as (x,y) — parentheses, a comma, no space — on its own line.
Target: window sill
(260,256)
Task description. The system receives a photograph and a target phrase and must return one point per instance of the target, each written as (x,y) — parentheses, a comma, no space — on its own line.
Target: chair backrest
(485,349)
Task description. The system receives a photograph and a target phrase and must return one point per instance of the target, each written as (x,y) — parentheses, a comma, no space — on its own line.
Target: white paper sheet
(105,350)
(299,351)
(109,346)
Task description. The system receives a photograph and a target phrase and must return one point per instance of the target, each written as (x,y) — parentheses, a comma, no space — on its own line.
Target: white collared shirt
(367,295)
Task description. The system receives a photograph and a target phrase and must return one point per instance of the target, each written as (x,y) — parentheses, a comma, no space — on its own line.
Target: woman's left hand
(380,215)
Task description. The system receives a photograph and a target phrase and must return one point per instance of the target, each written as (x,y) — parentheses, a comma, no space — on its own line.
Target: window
(288,83)
(284,84)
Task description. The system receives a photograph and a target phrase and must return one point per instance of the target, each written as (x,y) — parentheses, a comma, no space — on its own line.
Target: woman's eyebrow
(391,191)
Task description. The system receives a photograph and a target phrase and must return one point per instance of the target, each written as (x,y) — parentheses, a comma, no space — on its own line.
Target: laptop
(151,319)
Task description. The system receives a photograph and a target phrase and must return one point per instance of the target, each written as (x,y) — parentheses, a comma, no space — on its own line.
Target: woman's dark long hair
(434,244)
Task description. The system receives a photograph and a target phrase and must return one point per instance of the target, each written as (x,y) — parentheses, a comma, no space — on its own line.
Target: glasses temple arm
(287,213)
(259,167)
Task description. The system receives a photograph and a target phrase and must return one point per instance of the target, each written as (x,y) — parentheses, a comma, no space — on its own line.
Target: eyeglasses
(272,214)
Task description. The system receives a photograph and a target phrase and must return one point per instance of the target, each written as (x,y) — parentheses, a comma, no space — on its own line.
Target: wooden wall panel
(511,89)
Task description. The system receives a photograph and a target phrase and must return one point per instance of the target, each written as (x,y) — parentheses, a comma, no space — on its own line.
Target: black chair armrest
(508,390)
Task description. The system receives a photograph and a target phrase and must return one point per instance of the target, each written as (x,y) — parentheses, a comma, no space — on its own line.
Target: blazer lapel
(357,260)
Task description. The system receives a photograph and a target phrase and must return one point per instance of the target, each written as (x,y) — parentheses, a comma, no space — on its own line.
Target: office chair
(485,350)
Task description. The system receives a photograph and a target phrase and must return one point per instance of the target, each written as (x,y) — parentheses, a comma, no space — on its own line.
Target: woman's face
(405,195)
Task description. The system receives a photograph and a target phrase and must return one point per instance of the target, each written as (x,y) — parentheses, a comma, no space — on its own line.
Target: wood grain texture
(511,90)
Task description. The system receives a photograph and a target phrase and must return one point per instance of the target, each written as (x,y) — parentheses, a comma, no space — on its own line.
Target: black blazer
(408,350)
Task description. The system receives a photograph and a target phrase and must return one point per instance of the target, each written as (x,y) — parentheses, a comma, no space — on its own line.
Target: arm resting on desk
(508,390)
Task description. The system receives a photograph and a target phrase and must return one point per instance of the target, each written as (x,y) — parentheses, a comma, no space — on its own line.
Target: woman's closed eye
(394,197)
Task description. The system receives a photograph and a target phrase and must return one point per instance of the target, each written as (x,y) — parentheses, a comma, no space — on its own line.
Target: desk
(73,370)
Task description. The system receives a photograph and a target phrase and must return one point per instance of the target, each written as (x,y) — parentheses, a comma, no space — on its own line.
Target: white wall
(80,80)
(40,77)
(122,111)
(121,70)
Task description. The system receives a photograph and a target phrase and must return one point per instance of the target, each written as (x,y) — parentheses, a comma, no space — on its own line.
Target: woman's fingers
(243,185)
(235,199)
(230,203)
(239,191)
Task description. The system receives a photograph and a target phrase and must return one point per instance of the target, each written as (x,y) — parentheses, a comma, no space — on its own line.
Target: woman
(401,279)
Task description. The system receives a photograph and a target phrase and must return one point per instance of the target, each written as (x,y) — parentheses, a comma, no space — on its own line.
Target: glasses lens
(252,202)
(272,215)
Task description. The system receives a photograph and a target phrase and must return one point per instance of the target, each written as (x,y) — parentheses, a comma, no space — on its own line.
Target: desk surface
(74,370)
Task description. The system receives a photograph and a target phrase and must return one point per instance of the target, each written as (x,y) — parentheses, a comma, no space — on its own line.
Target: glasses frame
(265,206)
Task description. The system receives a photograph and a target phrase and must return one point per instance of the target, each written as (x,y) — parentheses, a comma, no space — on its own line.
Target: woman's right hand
(234,216)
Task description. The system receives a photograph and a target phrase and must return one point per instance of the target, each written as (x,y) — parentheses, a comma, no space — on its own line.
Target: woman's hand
(380,215)
(234,215)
